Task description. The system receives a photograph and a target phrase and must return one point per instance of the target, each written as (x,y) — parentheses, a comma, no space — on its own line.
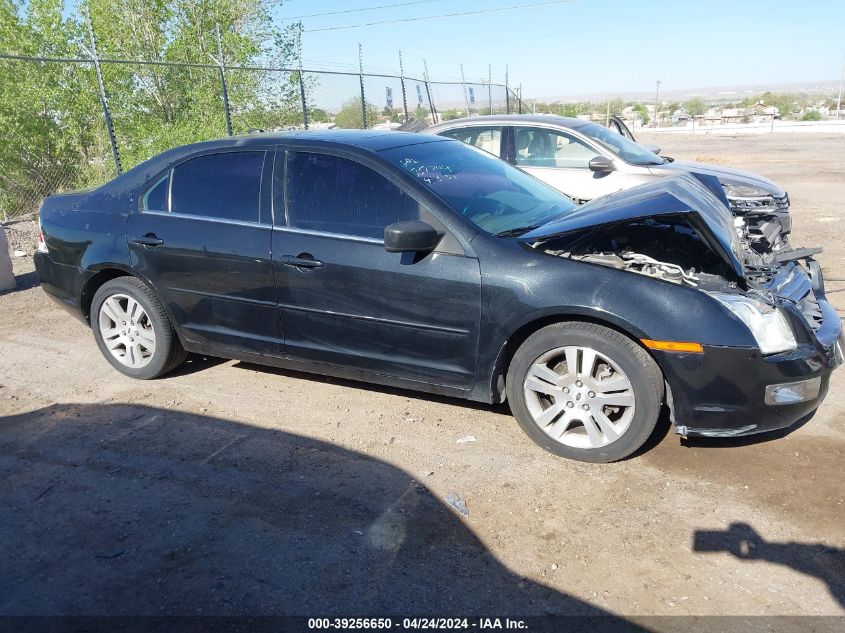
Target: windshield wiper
(519,230)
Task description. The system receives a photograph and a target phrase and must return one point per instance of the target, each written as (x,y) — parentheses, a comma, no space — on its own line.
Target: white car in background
(586,160)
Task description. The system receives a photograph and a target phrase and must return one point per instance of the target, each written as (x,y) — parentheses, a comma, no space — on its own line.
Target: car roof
(509,119)
(372,140)
(366,141)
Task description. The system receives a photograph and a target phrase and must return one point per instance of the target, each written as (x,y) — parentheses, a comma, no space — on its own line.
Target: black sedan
(420,262)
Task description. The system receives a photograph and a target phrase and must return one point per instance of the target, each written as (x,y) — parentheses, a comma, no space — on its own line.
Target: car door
(618,125)
(562,160)
(344,300)
(202,238)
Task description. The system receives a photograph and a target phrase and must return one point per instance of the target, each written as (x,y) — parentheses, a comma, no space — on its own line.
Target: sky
(584,46)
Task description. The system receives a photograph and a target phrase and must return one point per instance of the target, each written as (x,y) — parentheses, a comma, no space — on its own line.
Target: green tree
(812,115)
(642,112)
(157,107)
(394,115)
(53,137)
(695,106)
(350,115)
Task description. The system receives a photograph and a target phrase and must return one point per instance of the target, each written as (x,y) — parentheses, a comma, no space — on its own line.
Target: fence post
(221,63)
(490,86)
(301,81)
(402,80)
(464,84)
(361,78)
(507,93)
(428,94)
(104,100)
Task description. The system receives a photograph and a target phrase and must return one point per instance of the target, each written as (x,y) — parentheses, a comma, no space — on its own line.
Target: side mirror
(412,236)
(602,165)
(654,149)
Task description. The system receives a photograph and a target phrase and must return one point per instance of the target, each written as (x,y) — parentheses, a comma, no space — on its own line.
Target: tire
(156,351)
(599,416)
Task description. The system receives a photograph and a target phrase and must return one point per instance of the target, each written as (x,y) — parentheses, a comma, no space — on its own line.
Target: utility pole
(841,81)
(657,104)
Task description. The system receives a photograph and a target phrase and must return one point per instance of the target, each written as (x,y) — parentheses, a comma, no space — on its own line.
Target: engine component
(641,264)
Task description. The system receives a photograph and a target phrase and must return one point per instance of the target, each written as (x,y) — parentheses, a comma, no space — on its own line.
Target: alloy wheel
(579,397)
(127,331)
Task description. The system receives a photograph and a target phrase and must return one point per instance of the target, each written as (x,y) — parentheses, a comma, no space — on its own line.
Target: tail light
(41,245)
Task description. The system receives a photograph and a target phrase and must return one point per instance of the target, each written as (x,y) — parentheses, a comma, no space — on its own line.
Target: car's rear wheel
(585,391)
(133,331)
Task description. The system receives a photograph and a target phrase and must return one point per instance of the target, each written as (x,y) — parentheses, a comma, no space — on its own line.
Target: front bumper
(722,392)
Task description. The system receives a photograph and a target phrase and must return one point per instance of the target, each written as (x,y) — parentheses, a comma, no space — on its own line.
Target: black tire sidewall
(630,358)
(155,312)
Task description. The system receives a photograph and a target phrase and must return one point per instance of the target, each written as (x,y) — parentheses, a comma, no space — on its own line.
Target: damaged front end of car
(682,232)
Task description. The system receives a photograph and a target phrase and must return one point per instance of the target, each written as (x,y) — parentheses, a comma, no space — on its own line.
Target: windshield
(625,148)
(495,197)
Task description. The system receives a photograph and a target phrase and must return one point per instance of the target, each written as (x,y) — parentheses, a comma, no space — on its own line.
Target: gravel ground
(229,488)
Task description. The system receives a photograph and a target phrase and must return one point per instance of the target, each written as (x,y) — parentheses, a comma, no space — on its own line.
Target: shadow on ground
(123,509)
(24,281)
(814,559)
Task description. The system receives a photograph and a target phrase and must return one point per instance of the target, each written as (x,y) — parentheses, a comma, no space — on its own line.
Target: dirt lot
(228,488)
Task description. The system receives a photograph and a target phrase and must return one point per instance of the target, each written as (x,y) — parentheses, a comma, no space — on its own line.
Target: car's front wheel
(133,331)
(585,391)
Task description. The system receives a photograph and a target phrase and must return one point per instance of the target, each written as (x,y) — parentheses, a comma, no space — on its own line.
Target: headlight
(744,190)
(744,198)
(769,326)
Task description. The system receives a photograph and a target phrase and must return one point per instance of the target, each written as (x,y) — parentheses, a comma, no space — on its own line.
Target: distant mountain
(712,93)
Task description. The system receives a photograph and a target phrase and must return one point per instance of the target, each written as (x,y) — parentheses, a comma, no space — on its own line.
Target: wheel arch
(108,272)
(530,326)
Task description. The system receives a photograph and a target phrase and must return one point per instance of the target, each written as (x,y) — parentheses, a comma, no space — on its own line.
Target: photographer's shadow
(814,559)
(121,509)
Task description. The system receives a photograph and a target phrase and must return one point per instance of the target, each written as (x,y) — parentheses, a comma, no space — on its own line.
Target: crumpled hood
(697,196)
(724,174)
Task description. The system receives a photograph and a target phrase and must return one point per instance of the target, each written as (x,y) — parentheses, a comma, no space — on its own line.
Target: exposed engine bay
(670,249)
(666,248)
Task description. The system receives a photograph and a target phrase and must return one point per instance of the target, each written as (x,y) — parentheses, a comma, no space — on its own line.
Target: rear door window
(487,138)
(224,186)
(336,195)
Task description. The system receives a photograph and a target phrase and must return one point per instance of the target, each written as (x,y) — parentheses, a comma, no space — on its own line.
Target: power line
(372,8)
(437,17)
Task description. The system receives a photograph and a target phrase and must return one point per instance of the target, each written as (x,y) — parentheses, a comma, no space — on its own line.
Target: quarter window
(336,195)
(156,197)
(487,138)
(540,147)
(226,186)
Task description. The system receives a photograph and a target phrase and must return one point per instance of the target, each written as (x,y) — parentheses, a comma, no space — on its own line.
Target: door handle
(303,260)
(149,240)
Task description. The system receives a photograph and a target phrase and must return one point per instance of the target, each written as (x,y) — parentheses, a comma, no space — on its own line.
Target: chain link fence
(59,140)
